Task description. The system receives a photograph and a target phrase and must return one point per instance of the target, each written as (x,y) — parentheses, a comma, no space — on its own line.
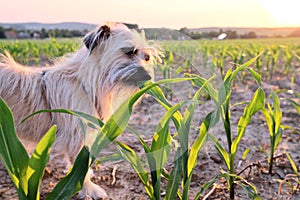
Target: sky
(173,14)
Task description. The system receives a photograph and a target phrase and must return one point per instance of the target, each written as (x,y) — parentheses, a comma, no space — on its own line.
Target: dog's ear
(94,38)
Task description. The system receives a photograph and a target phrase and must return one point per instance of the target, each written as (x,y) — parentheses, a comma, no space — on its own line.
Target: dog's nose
(142,74)
(138,75)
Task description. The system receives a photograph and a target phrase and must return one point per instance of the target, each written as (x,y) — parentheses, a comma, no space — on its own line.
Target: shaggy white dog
(95,80)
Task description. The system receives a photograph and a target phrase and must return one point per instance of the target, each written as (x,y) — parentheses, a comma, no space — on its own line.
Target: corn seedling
(27,172)
(223,103)
(273,118)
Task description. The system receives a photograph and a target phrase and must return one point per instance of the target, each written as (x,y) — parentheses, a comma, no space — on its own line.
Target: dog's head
(122,55)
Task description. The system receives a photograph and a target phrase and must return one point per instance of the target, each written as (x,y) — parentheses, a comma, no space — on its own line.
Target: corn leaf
(91,121)
(161,145)
(73,182)
(202,82)
(277,111)
(295,105)
(12,152)
(133,159)
(256,104)
(222,152)
(250,188)
(246,152)
(117,123)
(38,162)
(269,120)
(246,66)
(173,183)
(210,183)
(293,164)
(210,120)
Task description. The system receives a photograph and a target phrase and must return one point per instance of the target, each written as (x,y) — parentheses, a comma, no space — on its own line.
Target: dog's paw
(92,191)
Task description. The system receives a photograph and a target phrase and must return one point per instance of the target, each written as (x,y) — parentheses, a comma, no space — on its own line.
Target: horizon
(206,27)
(174,14)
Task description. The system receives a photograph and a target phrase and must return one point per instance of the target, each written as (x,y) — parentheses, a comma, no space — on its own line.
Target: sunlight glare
(285,12)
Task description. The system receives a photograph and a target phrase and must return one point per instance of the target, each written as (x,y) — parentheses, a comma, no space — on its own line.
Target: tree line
(230,34)
(43,33)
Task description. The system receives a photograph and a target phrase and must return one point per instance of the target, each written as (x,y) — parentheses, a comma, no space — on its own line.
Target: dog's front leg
(90,189)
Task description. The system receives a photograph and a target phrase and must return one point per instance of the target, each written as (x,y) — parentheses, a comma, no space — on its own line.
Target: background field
(279,67)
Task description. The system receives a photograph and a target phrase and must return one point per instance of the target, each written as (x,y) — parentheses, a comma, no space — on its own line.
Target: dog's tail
(7,60)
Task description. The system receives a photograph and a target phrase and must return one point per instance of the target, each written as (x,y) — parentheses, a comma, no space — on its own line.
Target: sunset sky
(157,13)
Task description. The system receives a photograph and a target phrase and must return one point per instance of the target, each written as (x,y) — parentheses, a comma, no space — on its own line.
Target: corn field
(221,121)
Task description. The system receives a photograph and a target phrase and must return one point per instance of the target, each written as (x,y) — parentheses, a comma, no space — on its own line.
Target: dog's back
(22,89)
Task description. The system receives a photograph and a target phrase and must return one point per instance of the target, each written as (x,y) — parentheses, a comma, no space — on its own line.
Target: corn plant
(27,172)
(223,110)
(273,118)
(157,154)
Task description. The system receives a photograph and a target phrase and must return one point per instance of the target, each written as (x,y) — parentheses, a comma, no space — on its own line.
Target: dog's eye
(130,51)
(147,57)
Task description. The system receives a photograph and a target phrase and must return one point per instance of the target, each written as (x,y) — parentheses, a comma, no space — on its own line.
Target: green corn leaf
(293,164)
(210,183)
(38,162)
(269,120)
(277,111)
(246,152)
(250,188)
(161,146)
(255,75)
(72,183)
(202,82)
(12,152)
(248,63)
(144,144)
(256,104)
(91,121)
(112,157)
(210,120)
(133,159)
(222,152)
(162,139)
(186,187)
(173,183)
(295,105)
(278,138)
(160,97)
(204,85)
(117,123)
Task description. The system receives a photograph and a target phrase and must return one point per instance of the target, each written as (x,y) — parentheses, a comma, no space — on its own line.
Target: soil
(120,181)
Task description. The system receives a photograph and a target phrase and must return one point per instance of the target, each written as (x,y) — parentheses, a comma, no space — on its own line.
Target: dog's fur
(95,80)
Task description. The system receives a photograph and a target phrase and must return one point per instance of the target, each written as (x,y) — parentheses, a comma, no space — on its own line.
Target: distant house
(10,34)
(36,35)
(23,35)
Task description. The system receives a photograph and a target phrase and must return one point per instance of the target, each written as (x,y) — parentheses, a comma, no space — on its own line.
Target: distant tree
(195,35)
(2,32)
(295,33)
(249,35)
(252,34)
(231,34)
(44,33)
(184,30)
(213,34)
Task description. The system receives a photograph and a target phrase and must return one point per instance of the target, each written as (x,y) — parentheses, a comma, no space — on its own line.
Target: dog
(96,79)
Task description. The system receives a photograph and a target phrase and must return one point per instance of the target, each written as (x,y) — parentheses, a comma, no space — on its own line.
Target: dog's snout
(136,75)
(142,74)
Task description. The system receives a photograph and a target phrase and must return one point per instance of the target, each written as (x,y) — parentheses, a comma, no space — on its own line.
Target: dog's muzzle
(138,75)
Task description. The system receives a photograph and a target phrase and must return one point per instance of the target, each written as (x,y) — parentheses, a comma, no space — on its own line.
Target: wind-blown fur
(95,80)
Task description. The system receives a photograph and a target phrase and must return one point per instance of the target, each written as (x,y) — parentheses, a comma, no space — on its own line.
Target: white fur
(89,80)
